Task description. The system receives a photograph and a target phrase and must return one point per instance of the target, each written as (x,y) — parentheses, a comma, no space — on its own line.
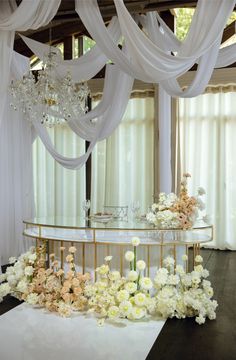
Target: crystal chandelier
(45,97)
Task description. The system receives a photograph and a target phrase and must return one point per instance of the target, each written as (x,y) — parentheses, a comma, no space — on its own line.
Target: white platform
(28,333)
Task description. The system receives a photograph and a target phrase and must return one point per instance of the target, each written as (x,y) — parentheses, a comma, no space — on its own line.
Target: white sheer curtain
(207,141)
(16,187)
(122,165)
(58,191)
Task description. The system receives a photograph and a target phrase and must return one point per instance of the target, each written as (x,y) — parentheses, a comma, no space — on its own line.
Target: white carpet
(28,333)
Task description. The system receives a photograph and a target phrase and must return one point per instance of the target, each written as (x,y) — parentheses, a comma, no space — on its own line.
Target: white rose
(198,268)
(138,312)
(125,308)
(32,299)
(4,289)
(12,260)
(209,291)
(114,275)
(145,283)
(32,258)
(3,277)
(200,319)
(185,257)
(169,261)
(113,312)
(198,259)
(29,270)
(131,287)
(132,275)
(129,255)
(179,269)
(135,241)
(122,295)
(102,270)
(173,279)
(140,299)
(11,279)
(22,286)
(141,265)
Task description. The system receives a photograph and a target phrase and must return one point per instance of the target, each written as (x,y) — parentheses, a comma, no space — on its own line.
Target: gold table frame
(39,229)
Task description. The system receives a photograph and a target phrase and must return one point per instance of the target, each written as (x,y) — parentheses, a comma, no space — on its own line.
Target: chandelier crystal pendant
(39,96)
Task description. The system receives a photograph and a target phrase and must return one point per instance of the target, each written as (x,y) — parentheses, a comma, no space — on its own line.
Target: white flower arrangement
(180,294)
(177,212)
(19,275)
(116,297)
(171,293)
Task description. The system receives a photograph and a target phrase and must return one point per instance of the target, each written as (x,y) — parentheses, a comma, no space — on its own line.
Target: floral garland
(173,212)
(171,293)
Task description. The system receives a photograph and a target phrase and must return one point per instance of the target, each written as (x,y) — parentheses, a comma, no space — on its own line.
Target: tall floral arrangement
(177,212)
(114,296)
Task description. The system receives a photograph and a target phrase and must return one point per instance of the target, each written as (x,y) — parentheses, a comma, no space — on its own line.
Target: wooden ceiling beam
(229,31)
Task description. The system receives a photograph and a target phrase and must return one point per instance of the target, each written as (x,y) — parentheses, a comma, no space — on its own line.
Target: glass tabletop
(109,224)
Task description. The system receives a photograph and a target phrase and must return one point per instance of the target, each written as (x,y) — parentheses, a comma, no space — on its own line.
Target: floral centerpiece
(135,296)
(177,212)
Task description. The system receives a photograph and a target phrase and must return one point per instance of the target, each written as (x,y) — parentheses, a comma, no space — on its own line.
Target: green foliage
(184,18)
(87,44)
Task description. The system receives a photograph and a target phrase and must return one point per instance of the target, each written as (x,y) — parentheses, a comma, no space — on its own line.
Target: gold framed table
(96,239)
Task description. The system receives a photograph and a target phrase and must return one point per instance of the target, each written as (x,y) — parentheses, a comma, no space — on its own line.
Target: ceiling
(67,23)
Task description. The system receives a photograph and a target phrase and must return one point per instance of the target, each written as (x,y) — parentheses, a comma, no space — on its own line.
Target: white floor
(28,333)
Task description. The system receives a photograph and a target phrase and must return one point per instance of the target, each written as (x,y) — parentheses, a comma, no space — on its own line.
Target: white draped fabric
(109,112)
(20,18)
(16,185)
(148,62)
(146,58)
(83,68)
(207,144)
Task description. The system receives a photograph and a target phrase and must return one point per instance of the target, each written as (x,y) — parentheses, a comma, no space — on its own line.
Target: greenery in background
(87,44)
(184,18)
